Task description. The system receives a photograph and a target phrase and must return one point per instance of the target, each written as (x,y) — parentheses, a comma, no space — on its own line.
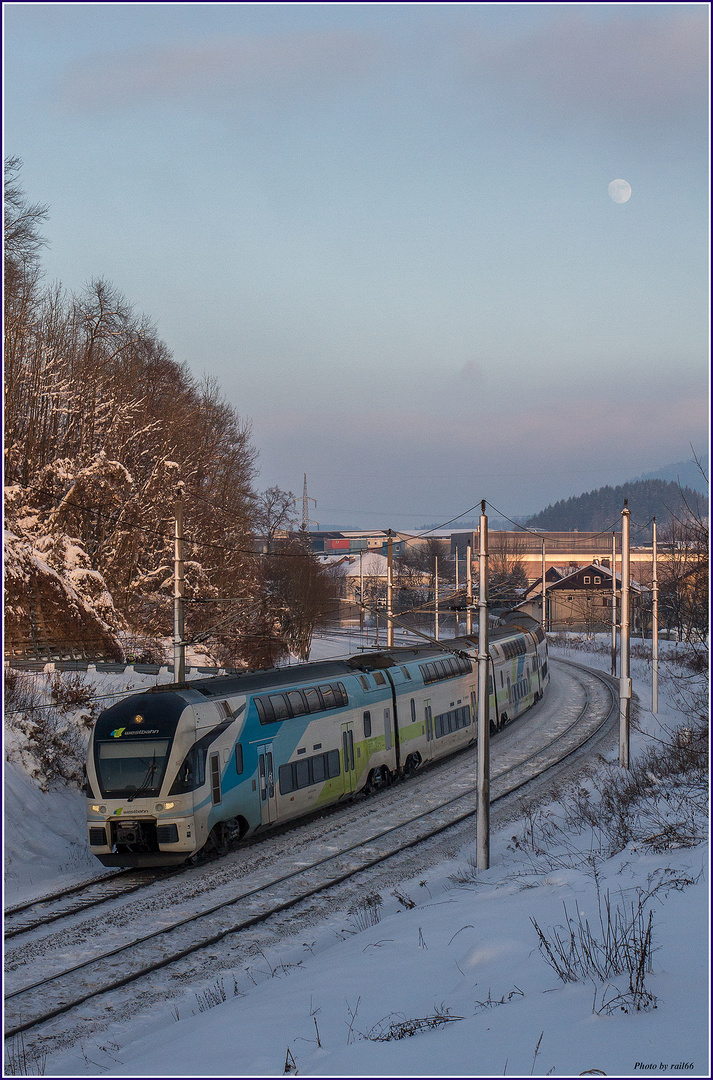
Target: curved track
(521,755)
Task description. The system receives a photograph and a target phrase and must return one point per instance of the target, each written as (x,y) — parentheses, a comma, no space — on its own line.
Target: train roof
(324,670)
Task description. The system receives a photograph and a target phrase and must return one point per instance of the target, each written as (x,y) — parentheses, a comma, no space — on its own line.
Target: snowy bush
(47,731)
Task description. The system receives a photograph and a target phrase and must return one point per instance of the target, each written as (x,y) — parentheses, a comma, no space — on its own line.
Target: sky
(386,230)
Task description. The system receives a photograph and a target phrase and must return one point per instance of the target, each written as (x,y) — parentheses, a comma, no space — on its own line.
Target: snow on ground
(468,952)
(462,964)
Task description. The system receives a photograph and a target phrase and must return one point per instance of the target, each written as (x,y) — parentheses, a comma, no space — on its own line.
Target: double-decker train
(197,765)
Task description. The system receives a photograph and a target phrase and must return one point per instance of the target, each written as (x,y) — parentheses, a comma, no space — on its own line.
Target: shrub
(366,913)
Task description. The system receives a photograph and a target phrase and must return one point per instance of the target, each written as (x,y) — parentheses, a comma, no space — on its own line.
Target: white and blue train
(197,765)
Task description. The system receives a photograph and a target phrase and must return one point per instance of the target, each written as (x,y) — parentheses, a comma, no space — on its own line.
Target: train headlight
(163,806)
(99,809)
(158,807)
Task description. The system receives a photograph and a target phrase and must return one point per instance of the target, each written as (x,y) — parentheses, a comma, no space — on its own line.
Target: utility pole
(179,645)
(483,809)
(305,507)
(436,626)
(361,592)
(544,590)
(624,678)
(655,630)
(468,590)
(389,592)
(613,603)
(456,603)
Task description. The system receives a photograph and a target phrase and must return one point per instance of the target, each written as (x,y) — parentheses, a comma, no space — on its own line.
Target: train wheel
(411,764)
(378,778)
(218,843)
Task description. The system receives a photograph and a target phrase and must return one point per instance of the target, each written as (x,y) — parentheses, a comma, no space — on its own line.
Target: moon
(619,191)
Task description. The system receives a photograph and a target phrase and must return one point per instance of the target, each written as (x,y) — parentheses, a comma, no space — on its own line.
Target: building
(566,551)
(581,600)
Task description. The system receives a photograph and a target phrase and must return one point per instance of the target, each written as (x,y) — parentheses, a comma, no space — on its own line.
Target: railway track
(22,918)
(268,892)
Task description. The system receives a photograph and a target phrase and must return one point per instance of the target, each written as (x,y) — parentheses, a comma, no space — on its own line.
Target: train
(197,766)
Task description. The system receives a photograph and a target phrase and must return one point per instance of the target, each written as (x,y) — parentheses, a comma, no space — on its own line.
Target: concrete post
(483,808)
(624,676)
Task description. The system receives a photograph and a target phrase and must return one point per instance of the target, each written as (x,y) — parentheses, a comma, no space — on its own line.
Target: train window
(387,729)
(238,758)
(215,778)
(298,703)
(287,779)
(264,710)
(501,679)
(328,696)
(340,690)
(270,775)
(364,680)
(413,711)
(379,679)
(333,763)
(407,673)
(367,724)
(191,774)
(319,768)
(314,702)
(301,773)
(280,707)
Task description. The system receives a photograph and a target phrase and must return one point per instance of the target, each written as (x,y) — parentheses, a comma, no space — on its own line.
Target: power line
(552,539)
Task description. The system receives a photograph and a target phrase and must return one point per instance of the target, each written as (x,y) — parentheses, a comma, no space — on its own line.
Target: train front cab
(140,798)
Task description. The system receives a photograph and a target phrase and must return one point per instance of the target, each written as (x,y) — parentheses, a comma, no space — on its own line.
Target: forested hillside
(101,424)
(600,510)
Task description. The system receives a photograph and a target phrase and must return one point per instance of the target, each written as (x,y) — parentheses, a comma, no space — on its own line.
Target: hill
(600,510)
(686,473)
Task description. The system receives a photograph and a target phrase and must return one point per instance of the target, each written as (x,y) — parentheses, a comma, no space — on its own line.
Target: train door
(348,759)
(266,774)
(428,720)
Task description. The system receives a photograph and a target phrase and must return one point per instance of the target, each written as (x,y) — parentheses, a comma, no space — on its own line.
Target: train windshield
(131,769)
